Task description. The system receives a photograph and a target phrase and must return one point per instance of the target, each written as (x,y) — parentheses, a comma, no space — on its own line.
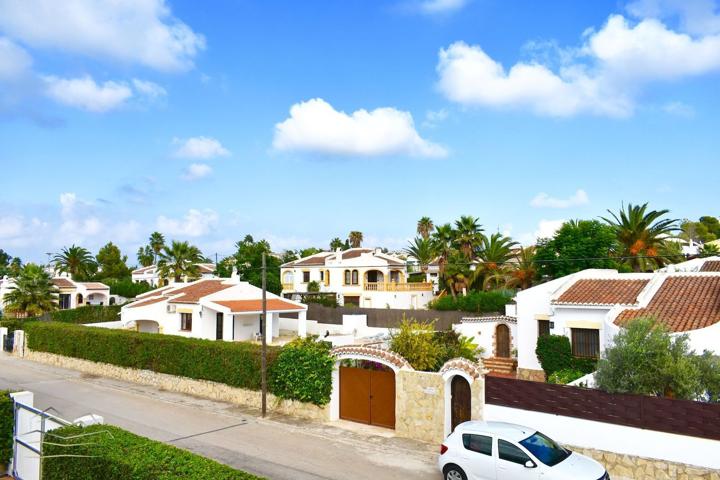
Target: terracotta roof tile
(354,253)
(602,292)
(195,291)
(273,304)
(206,267)
(711,266)
(682,303)
(63,283)
(95,286)
(149,301)
(143,269)
(154,292)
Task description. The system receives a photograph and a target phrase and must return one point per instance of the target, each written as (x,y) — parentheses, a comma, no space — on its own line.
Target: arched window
(288,277)
(347,277)
(355,277)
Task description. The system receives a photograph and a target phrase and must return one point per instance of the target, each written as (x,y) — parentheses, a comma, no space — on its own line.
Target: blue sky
(300,121)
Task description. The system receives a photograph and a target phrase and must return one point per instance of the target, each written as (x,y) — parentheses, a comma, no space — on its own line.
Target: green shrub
(415,341)
(233,363)
(554,353)
(584,365)
(475,302)
(6,427)
(313,286)
(15,324)
(303,371)
(565,376)
(325,300)
(87,314)
(125,287)
(115,454)
(453,345)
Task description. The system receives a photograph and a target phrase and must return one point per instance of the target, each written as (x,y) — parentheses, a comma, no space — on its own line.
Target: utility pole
(263,327)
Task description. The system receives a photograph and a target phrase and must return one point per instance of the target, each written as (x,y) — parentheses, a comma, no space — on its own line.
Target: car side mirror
(530,464)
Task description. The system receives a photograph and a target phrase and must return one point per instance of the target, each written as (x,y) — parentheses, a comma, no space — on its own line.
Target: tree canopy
(248,261)
(111,262)
(33,294)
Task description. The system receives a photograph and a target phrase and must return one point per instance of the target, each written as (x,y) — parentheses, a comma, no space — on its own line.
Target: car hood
(577,467)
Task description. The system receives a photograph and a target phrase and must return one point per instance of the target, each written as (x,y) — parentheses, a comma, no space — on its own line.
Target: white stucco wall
(483,333)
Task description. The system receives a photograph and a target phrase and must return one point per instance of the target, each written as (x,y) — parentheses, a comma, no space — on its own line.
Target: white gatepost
(302,324)
(269,327)
(3,334)
(19,343)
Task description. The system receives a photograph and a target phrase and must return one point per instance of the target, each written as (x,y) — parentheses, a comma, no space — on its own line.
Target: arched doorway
(78,299)
(147,326)
(460,398)
(502,341)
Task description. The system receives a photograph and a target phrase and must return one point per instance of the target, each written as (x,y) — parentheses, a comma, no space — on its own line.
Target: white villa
(590,307)
(215,309)
(362,277)
(71,294)
(151,275)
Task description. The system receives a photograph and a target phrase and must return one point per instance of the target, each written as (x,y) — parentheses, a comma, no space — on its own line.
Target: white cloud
(197,171)
(679,108)
(698,17)
(434,117)
(132,31)
(441,6)
(601,77)
(85,94)
(200,147)
(149,89)
(195,223)
(15,62)
(543,200)
(315,126)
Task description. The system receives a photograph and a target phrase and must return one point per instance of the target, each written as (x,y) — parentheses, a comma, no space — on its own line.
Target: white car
(504,451)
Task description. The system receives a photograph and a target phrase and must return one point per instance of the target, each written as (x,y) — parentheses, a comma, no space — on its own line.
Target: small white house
(362,277)
(71,294)
(151,275)
(216,309)
(590,307)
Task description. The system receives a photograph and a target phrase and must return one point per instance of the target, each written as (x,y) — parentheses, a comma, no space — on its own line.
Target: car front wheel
(453,472)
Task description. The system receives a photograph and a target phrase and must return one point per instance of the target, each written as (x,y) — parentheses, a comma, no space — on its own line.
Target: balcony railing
(397,287)
(288,286)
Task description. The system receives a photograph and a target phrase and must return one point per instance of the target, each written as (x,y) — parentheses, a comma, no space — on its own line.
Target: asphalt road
(276,448)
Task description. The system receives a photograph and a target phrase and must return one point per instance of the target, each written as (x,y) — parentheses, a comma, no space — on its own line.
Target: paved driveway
(277,448)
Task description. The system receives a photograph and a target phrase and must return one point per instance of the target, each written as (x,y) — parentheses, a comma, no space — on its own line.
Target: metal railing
(397,287)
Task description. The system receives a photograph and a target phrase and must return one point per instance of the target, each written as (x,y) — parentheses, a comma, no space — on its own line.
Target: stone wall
(627,467)
(172,383)
(529,374)
(420,405)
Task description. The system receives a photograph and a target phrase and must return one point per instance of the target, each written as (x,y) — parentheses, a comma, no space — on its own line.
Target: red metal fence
(682,417)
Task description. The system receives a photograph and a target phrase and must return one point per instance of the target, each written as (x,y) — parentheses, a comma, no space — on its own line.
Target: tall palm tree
(423,251)
(74,260)
(355,238)
(457,273)
(33,294)
(336,243)
(524,271)
(145,256)
(442,242)
(180,260)
(468,234)
(157,243)
(424,227)
(494,252)
(641,234)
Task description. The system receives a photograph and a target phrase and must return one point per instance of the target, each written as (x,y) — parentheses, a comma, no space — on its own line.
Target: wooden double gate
(367,396)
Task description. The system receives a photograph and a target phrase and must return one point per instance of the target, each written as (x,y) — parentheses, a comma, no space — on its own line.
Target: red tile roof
(144,303)
(143,269)
(63,283)
(354,253)
(95,286)
(682,303)
(711,266)
(273,304)
(602,292)
(206,267)
(154,292)
(194,292)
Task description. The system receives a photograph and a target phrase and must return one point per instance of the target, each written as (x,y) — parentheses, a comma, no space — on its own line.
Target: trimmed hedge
(6,427)
(555,355)
(303,371)
(121,455)
(87,314)
(234,363)
(475,302)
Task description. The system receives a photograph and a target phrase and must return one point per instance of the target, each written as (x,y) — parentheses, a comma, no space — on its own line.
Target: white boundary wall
(613,438)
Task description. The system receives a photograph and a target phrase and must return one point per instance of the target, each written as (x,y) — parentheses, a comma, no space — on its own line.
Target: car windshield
(545,449)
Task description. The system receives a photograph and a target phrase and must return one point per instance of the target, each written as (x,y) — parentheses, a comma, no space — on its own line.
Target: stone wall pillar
(420,405)
(19,343)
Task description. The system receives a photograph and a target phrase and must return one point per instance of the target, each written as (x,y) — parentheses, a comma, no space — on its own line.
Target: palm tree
(146,256)
(157,243)
(180,260)
(424,227)
(442,240)
(468,234)
(641,234)
(355,238)
(33,293)
(524,271)
(457,274)
(336,243)
(74,260)
(494,252)
(423,251)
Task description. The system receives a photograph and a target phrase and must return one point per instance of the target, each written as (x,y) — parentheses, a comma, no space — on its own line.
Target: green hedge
(87,314)
(476,302)
(6,427)
(233,363)
(120,455)
(303,371)
(555,355)
(126,287)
